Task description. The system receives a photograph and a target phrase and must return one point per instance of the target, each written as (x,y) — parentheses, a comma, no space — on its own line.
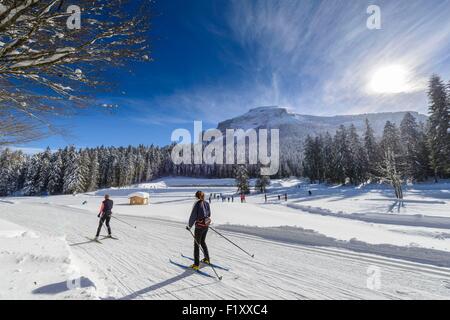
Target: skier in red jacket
(105,215)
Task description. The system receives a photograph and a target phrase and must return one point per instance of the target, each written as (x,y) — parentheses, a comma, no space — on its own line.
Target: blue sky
(216,59)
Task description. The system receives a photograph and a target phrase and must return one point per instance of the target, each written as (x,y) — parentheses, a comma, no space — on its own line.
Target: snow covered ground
(428,199)
(323,246)
(34,265)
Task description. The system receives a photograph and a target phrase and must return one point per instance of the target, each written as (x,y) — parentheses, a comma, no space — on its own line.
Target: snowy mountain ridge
(300,125)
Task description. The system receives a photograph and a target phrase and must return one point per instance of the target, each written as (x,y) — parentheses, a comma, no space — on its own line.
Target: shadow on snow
(165,283)
(55,288)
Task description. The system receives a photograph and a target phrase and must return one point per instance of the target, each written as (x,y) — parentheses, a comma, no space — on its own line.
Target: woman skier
(105,216)
(200,216)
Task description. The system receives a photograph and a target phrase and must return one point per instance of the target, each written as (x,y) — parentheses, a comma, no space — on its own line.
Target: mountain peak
(259,117)
(265,108)
(299,126)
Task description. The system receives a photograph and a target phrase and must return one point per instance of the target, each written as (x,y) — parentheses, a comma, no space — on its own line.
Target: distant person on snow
(105,215)
(200,216)
(309,192)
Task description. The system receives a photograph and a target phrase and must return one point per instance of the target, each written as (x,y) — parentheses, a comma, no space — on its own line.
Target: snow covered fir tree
(242,183)
(262,183)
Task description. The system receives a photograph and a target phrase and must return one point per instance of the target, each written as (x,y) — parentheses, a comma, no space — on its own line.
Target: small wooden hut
(139,198)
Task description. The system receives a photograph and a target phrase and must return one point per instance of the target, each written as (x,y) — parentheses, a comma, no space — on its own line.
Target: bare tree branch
(38,53)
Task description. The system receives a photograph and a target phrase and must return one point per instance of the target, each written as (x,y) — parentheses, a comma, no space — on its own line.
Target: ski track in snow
(137,266)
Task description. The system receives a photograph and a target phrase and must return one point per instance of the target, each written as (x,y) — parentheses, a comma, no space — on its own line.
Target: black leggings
(104,218)
(200,237)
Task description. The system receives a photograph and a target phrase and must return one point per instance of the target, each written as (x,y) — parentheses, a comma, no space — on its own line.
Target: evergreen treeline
(347,157)
(69,170)
(413,151)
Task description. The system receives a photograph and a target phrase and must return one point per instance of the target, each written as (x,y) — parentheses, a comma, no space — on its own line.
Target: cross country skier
(200,216)
(105,215)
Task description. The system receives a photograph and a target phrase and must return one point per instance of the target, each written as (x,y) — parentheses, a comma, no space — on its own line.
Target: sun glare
(389,79)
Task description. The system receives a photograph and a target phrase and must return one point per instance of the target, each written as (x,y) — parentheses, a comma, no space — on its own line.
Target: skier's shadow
(64,286)
(162,284)
(80,243)
(88,241)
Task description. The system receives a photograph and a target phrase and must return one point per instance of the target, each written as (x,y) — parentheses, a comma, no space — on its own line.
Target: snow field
(303,250)
(36,266)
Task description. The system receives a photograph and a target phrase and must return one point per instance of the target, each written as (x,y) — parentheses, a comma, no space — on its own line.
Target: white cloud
(26,150)
(324,55)
(318,57)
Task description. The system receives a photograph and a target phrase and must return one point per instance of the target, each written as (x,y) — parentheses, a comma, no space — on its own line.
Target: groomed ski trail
(137,266)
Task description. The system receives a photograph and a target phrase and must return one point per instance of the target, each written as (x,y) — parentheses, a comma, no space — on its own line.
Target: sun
(390,79)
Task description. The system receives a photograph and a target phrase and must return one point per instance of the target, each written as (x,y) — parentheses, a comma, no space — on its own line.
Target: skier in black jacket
(105,215)
(200,216)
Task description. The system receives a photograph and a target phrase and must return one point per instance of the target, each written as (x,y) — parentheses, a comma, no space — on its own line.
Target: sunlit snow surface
(309,247)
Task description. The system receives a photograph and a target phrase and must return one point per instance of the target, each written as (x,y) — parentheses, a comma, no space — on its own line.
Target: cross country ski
(109,237)
(191,269)
(210,264)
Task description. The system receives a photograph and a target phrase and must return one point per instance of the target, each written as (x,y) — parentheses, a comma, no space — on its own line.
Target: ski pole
(251,255)
(124,222)
(219,277)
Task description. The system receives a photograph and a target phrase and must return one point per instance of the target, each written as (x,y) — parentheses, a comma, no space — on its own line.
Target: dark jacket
(107,206)
(200,211)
